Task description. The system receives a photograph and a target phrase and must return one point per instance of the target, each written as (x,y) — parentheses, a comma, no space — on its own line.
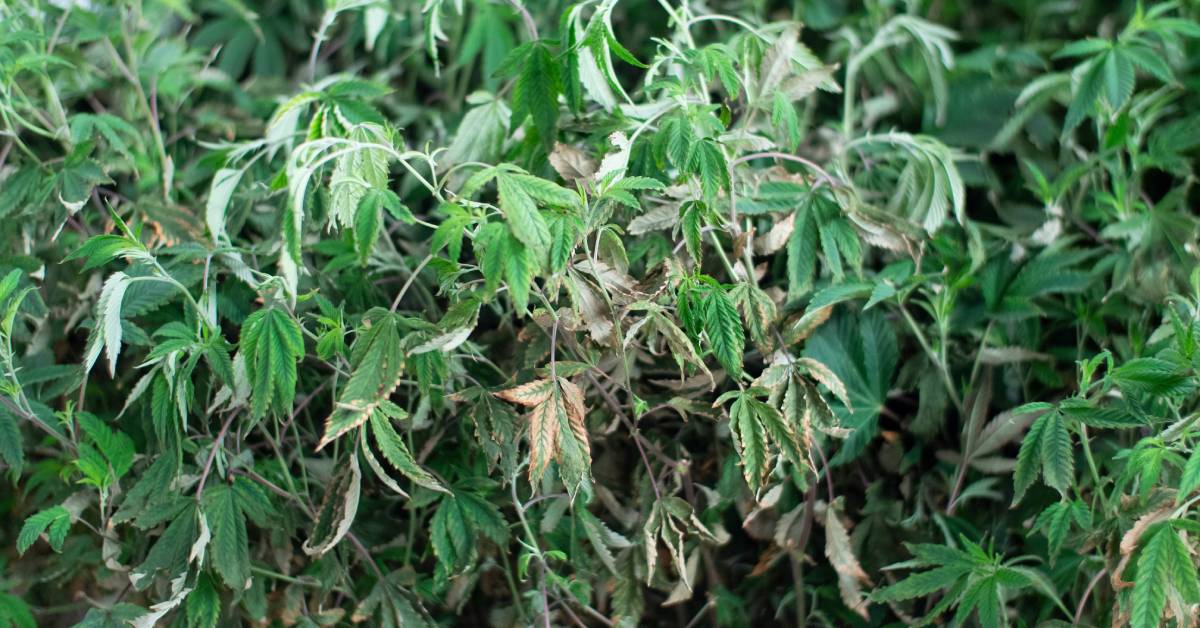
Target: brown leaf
(591,308)
(807,324)
(573,400)
(571,163)
(543,438)
(777,236)
(528,395)
(766,560)
(1129,542)
(739,243)
(850,573)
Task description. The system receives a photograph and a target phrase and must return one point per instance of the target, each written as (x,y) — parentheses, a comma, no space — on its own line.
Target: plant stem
(933,355)
(212,454)
(1091,461)
(130,73)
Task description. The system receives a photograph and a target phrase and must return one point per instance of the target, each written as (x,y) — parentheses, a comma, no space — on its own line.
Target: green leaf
(253,502)
(1083,48)
(484,516)
(368,218)
(12,451)
(1118,78)
(536,91)
(921,584)
(460,518)
(102,249)
(449,234)
(1152,376)
(708,162)
(692,224)
(451,536)
(519,264)
(15,613)
(543,191)
(861,351)
(481,133)
(564,235)
(396,452)
(1110,417)
(203,604)
(1083,102)
(1058,457)
(802,255)
(116,446)
(1029,458)
(229,547)
(1183,570)
(1154,570)
(1055,522)
(724,331)
(1189,481)
(521,212)
(56,519)
(271,344)
(378,363)
(783,116)
(171,551)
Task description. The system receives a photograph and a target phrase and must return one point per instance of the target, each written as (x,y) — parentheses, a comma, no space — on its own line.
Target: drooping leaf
(378,363)
(337,511)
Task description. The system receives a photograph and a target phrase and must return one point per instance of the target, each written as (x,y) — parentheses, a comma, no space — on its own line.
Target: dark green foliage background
(637,312)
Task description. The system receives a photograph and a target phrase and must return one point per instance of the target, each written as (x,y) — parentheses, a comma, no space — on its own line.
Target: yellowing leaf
(528,395)
(378,364)
(850,573)
(543,436)
(556,429)
(337,511)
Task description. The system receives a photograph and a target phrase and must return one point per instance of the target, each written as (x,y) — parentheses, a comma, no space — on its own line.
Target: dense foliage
(604,313)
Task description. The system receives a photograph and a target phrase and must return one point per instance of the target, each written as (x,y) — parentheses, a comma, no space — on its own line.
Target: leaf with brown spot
(803,327)
(573,399)
(543,438)
(1131,539)
(841,556)
(822,374)
(528,395)
(378,363)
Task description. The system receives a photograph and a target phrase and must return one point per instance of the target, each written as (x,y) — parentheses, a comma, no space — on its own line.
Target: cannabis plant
(605,313)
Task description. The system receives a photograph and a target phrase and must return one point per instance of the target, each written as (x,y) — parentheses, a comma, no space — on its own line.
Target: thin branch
(408,284)
(637,435)
(825,176)
(212,454)
(1087,593)
(530,26)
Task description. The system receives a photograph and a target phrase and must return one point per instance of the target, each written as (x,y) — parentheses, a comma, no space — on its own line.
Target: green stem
(724,259)
(283,577)
(130,72)
(1091,462)
(933,355)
